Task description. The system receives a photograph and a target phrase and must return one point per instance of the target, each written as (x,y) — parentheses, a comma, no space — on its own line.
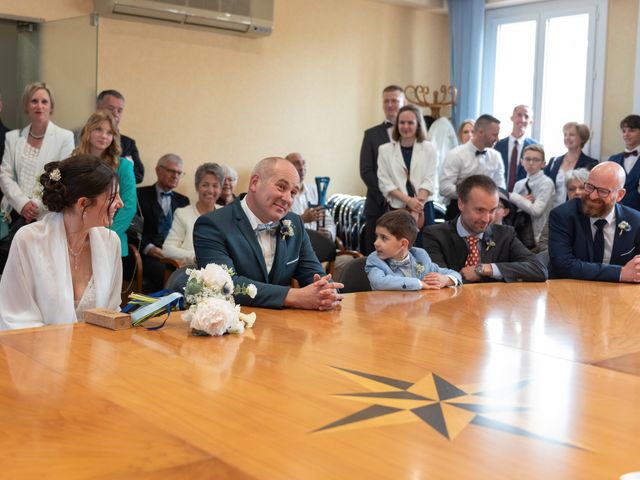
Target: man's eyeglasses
(602,192)
(172,171)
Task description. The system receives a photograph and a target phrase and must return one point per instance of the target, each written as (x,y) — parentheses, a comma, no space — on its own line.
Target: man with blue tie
(392,100)
(595,237)
(511,147)
(265,244)
(630,126)
(157,204)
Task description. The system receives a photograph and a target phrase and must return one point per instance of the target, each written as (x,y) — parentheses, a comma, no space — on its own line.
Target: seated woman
(100,137)
(67,262)
(230,180)
(179,242)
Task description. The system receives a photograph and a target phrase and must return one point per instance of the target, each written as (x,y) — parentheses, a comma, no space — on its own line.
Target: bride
(68,262)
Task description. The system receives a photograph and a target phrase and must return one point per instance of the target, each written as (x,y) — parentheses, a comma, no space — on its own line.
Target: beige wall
(620,70)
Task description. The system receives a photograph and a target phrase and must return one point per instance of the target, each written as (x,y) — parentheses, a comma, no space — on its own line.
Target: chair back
(178,279)
(354,277)
(323,247)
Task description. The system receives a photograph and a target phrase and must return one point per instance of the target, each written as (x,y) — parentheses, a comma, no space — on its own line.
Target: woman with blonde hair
(28,150)
(100,137)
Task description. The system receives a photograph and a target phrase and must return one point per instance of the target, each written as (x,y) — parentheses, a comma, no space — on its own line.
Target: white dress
(36,287)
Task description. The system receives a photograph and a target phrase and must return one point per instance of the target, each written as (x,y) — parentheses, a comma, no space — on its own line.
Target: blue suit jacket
(584,161)
(382,277)
(571,243)
(225,236)
(631,185)
(503,146)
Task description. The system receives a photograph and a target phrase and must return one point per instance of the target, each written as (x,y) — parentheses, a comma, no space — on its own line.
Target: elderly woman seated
(179,242)
(230,180)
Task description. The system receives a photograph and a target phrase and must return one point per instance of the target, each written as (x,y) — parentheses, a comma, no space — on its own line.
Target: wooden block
(108,318)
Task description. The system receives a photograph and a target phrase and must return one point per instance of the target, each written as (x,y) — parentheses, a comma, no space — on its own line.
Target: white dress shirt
(631,160)
(462,162)
(309,195)
(266,239)
(609,232)
(542,189)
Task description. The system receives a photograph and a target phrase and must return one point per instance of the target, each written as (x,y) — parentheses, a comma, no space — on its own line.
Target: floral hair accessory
(624,226)
(286,229)
(55,175)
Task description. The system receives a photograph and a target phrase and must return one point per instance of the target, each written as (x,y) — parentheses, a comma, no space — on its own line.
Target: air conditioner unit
(252,17)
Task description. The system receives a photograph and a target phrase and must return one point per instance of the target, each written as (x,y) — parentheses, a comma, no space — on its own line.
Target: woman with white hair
(230,181)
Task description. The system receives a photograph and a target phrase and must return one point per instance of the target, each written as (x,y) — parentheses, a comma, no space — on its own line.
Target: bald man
(595,237)
(265,244)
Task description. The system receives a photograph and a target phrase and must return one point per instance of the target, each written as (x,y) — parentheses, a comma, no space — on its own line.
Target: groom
(266,245)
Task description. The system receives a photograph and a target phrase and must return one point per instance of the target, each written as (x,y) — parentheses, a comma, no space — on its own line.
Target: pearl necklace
(37,137)
(75,255)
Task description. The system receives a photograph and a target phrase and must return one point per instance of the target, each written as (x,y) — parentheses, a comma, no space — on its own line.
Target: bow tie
(388,124)
(266,227)
(400,263)
(633,153)
(166,194)
(480,152)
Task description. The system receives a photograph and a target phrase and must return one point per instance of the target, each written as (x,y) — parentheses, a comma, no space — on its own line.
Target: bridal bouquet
(213,311)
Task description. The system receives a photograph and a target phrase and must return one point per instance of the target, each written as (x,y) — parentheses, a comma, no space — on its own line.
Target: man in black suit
(157,203)
(473,246)
(113,101)
(392,100)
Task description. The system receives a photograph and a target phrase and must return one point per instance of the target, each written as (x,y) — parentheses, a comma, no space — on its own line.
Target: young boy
(534,194)
(396,265)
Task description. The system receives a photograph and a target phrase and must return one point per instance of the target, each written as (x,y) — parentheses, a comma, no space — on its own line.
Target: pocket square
(627,253)
(293,261)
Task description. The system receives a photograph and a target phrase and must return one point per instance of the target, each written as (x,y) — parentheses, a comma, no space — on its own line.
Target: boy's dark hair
(630,121)
(400,224)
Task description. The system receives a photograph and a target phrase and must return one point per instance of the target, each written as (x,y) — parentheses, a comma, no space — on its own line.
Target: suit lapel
(585,224)
(279,258)
(620,244)
(249,235)
(459,247)
(48,145)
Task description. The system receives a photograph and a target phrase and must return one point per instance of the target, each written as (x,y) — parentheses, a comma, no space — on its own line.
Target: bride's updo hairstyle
(66,181)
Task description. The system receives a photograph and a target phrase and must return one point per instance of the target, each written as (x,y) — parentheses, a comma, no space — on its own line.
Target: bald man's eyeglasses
(602,192)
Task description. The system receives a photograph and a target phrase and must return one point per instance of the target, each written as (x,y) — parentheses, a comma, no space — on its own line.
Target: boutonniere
(490,244)
(286,229)
(419,269)
(624,226)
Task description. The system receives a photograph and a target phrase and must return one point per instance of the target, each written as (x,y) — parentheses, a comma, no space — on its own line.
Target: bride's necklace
(77,254)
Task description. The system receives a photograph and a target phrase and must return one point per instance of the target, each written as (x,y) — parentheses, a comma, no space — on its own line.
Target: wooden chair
(135,283)
(170,266)
(327,251)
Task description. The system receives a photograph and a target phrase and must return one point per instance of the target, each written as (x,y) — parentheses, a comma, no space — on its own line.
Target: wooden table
(486,381)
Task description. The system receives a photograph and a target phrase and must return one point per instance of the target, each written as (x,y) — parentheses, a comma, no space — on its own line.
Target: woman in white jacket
(407,167)
(67,262)
(28,150)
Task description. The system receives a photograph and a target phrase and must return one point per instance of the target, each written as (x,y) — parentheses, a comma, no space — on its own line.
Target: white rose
(252,291)
(214,276)
(214,316)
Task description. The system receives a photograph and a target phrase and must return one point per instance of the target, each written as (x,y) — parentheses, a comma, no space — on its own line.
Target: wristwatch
(479,270)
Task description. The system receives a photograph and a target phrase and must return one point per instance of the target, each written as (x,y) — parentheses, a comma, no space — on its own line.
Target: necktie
(633,153)
(266,227)
(480,152)
(473,258)
(167,194)
(513,166)
(598,241)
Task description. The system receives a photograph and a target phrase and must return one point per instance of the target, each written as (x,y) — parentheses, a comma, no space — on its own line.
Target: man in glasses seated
(157,204)
(595,237)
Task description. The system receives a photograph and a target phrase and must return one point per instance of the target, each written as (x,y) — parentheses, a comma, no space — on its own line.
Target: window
(550,56)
